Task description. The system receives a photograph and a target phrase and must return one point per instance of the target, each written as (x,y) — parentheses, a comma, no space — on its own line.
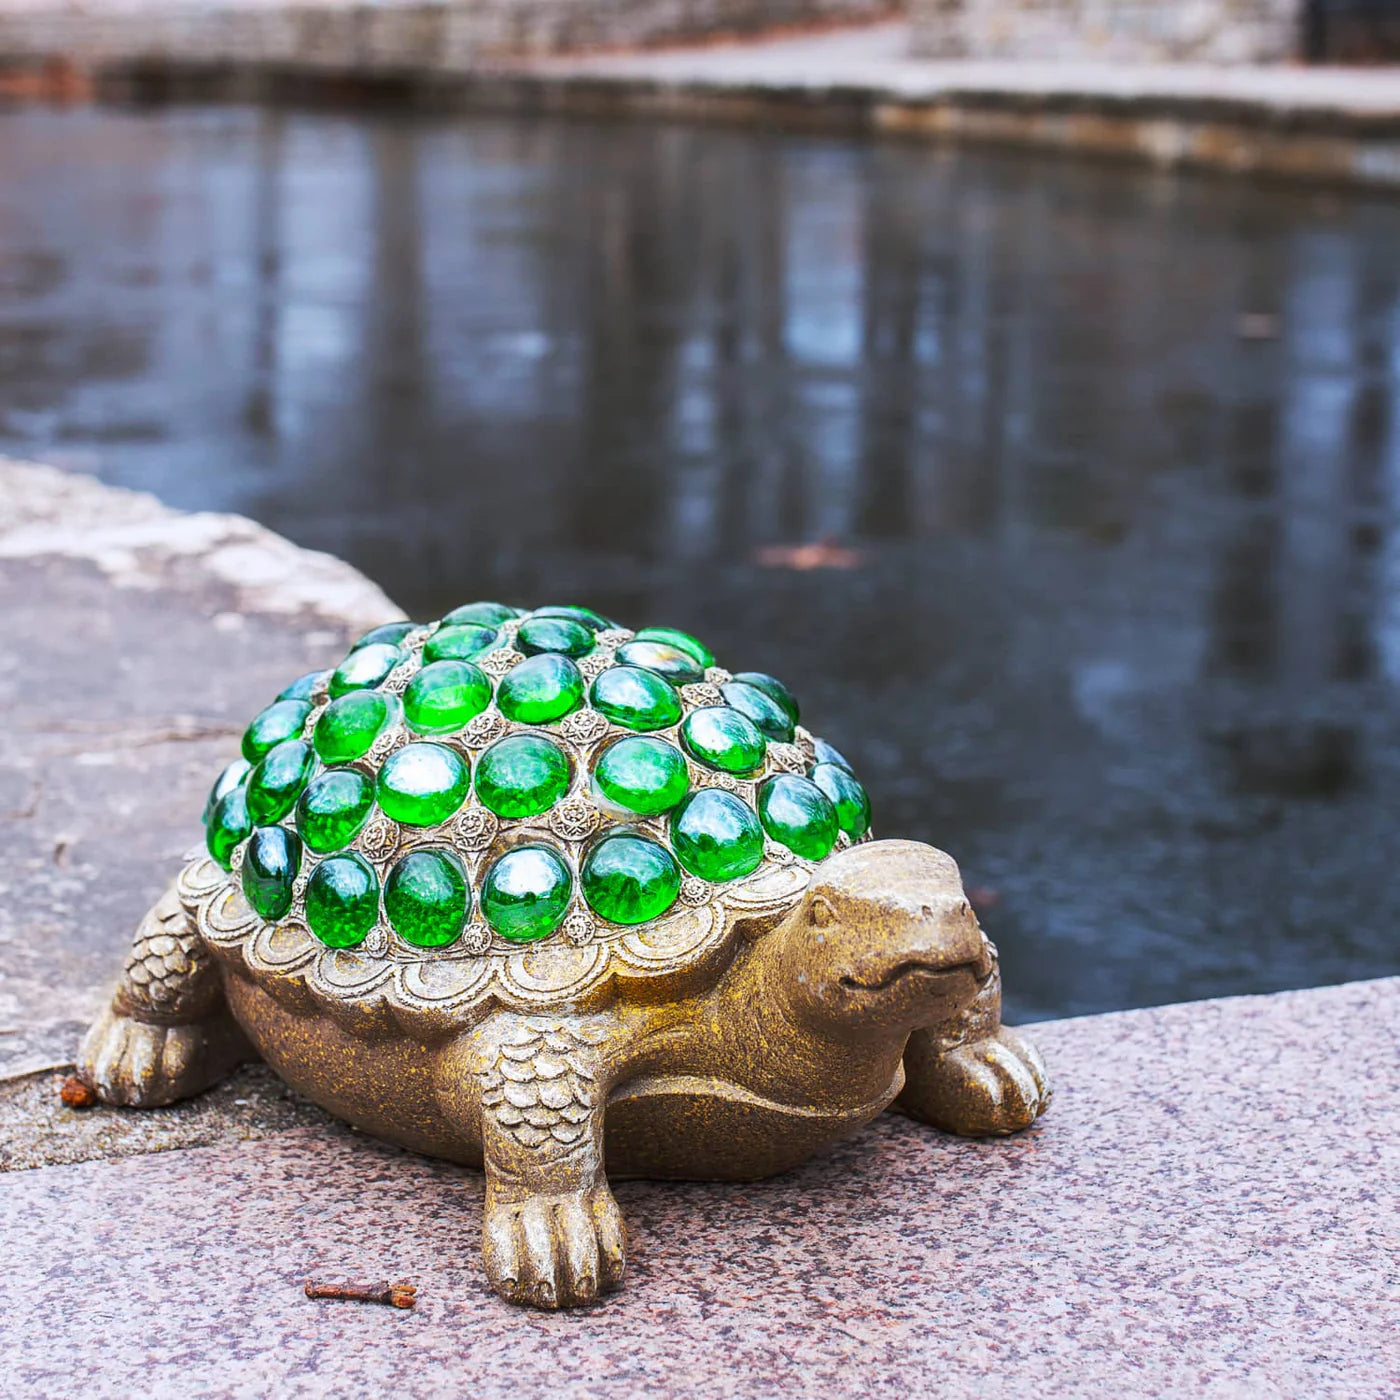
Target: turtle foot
(984,1088)
(138,1064)
(554,1251)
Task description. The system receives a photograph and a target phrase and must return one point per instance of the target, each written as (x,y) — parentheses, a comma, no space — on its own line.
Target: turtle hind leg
(971,1075)
(552,1236)
(167,1033)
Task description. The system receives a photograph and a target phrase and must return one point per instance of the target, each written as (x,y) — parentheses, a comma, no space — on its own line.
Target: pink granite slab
(1210,1209)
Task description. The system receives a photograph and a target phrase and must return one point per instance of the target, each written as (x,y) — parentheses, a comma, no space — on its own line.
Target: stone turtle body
(534,893)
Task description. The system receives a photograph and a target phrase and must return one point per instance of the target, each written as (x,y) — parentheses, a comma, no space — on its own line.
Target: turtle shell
(526,809)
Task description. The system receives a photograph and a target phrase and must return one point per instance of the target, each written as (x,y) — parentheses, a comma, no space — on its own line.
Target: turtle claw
(555,1251)
(1001,1085)
(139,1064)
(984,1088)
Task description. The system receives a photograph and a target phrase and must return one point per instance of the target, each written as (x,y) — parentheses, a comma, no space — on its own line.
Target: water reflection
(1125,627)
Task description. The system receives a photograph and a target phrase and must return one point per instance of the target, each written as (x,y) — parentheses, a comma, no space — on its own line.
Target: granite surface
(1209,1209)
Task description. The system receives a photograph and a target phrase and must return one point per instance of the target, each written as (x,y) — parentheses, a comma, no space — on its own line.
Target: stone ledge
(1208,1209)
(1312,124)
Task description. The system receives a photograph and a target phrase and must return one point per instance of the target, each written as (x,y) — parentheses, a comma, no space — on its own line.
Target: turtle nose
(954,937)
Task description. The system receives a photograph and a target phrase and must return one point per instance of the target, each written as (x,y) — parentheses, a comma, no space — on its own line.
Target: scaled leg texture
(167,1033)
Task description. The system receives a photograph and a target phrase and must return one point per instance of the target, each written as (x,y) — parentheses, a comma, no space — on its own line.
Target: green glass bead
(674,637)
(556,634)
(283,719)
(627,879)
(463,643)
(304,687)
(822,752)
(717,836)
(769,717)
(677,666)
(526,893)
(485,614)
(427,899)
(722,738)
(774,689)
(271,860)
(797,814)
(342,901)
(228,823)
(595,622)
(389,634)
(544,688)
(348,727)
(234,776)
(364,669)
(845,794)
(635,699)
(334,808)
(423,784)
(642,775)
(445,696)
(276,783)
(522,776)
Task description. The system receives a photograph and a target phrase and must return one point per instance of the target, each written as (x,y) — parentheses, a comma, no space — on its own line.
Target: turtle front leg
(167,1033)
(971,1075)
(553,1235)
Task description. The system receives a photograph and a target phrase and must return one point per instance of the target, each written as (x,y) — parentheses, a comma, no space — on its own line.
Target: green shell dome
(503,778)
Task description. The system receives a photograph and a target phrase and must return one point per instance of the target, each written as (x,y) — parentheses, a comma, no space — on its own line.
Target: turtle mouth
(973,967)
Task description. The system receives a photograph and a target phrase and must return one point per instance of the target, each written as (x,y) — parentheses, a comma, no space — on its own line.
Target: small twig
(397,1295)
(76,1094)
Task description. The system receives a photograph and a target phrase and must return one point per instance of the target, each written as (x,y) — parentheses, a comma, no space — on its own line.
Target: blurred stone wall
(387,36)
(1210,31)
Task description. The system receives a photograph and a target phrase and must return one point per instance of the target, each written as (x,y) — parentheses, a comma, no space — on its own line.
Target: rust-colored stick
(397,1295)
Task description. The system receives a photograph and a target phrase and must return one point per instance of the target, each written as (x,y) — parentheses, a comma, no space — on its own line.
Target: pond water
(1102,465)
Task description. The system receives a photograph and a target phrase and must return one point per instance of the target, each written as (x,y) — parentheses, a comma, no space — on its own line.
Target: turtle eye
(822,914)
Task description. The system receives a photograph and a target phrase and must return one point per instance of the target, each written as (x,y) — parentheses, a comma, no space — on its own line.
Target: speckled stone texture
(1209,1209)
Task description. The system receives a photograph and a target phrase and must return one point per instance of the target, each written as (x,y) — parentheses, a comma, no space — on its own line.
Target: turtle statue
(534,893)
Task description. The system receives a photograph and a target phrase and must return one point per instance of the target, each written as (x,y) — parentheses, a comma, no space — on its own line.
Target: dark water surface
(1123,626)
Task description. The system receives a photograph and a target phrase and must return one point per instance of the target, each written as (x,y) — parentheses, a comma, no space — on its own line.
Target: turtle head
(884,939)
